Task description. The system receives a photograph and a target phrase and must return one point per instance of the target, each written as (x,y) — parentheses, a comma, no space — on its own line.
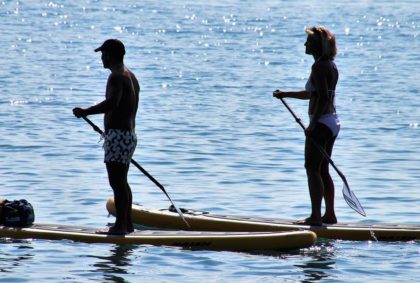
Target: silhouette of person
(324,124)
(119,109)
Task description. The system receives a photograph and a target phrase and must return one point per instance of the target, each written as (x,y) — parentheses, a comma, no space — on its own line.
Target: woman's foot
(130,229)
(309,221)
(327,219)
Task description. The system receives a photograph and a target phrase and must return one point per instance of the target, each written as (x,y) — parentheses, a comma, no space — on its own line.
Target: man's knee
(118,181)
(116,184)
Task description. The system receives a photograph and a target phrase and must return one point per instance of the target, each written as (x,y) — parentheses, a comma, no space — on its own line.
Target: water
(209,131)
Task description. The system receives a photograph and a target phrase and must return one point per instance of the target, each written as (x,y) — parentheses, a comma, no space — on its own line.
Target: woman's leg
(316,165)
(329,190)
(313,160)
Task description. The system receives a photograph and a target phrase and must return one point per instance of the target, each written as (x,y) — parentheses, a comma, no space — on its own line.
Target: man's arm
(114,93)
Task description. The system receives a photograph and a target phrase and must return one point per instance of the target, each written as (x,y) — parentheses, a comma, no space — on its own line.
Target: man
(119,108)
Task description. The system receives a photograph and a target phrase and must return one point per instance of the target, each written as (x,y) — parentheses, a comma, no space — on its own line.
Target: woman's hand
(278,94)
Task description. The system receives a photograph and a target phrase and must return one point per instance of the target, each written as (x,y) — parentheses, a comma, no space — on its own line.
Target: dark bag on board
(17,213)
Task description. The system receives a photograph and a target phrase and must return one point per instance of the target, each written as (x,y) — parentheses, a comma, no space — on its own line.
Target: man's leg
(129,220)
(117,175)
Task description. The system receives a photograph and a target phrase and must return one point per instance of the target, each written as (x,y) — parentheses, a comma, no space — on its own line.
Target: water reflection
(115,265)
(321,259)
(14,257)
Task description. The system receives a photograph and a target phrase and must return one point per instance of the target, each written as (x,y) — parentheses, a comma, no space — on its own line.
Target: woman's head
(320,42)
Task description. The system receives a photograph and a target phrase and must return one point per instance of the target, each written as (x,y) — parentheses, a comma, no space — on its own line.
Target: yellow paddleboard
(205,221)
(232,241)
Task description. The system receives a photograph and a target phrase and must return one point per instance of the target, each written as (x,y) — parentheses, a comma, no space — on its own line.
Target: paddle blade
(352,200)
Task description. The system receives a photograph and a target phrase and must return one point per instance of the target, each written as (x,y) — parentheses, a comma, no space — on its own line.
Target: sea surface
(209,130)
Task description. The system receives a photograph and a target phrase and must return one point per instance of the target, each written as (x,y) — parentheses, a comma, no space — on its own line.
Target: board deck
(238,241)
(205,221)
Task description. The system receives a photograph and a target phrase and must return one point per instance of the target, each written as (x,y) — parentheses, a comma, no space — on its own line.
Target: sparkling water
(209,130)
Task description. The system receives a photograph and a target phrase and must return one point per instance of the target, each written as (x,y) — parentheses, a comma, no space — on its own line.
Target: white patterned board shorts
(119,145)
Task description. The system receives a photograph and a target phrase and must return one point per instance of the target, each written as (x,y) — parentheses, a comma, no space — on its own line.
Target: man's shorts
(119,145)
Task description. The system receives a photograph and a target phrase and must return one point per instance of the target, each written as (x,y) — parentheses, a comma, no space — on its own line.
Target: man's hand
(79,112)
(278,94)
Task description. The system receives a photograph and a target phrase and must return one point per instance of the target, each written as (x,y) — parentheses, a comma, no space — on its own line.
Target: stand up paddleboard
(230,241)
(205,221)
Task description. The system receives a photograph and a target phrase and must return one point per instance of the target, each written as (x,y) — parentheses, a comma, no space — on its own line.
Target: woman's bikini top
(310,87)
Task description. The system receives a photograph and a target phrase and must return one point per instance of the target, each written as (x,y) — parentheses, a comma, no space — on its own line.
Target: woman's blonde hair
(329,47)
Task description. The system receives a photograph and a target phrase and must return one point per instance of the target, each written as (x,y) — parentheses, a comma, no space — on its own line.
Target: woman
(324,124)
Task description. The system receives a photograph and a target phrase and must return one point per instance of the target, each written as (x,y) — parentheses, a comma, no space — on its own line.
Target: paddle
(97,129)
(349,196)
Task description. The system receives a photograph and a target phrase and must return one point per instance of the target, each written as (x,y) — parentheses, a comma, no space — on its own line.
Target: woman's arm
(303,94)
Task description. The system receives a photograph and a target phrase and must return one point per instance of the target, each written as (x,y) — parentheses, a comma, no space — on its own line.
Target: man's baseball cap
(113,46)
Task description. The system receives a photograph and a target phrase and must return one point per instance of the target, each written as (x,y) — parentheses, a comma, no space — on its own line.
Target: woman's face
(313,44)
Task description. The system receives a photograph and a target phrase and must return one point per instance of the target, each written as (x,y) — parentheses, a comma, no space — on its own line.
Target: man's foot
(329,219)
(130,229)
(309,221)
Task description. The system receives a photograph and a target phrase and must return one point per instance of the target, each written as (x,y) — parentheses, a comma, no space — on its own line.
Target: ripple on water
(209,131)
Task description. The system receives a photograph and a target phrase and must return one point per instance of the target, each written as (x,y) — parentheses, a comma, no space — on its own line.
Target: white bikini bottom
(331,121)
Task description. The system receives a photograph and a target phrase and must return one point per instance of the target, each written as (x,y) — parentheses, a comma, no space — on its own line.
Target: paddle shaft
(151,178)
(323,152)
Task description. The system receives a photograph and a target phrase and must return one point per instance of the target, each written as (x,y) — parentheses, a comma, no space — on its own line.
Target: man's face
(105,59)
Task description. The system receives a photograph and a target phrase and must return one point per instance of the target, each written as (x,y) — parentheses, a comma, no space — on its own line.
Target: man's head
(113,52)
